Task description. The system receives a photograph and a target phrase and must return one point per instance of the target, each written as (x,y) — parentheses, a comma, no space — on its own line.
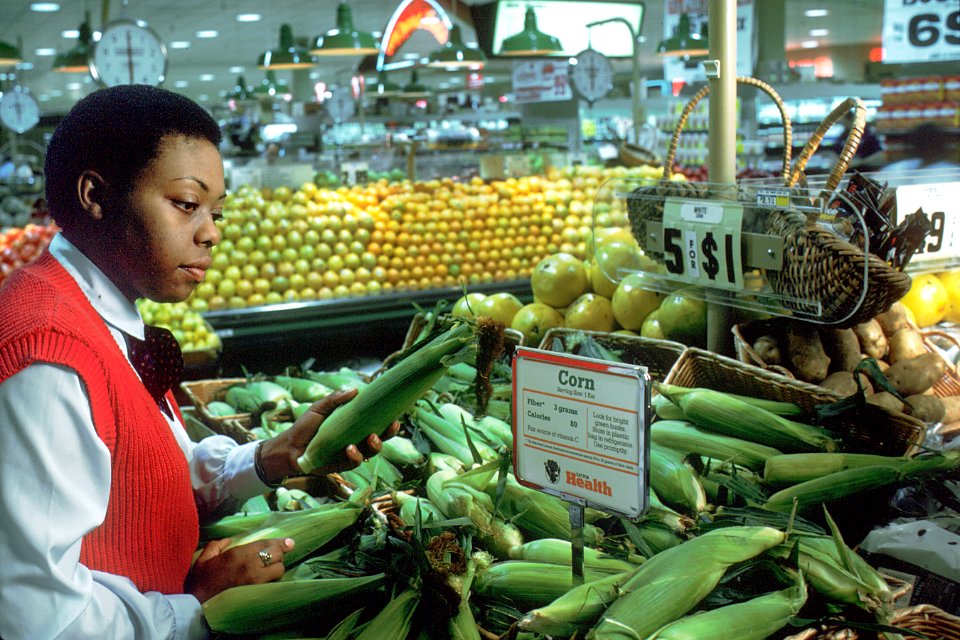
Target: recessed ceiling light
(70,34)
(96,36)
(179,44)
(237,69)
(248,17)
(44,7)
(180,84)
(208,33)
(815,13)
(206,77)
(44,51)
(819,33)
(809,44)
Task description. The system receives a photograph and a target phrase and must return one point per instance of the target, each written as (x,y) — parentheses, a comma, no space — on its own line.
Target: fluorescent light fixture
(74,86)
(44,7)
(203,97)
(179,44)
(816,13)
(44,51)
(181,84)
(206,77)
(237,69)
(819,33)
(248,17)
(809,44)
(70,34)
(208,33)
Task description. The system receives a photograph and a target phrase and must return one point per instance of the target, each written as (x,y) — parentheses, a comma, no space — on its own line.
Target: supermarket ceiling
(207,67)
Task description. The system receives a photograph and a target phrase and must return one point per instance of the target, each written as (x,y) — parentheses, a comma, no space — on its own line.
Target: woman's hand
(218,568)
(279,454)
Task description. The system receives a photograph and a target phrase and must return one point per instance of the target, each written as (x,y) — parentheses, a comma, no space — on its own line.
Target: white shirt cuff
(188,618)
(242,479)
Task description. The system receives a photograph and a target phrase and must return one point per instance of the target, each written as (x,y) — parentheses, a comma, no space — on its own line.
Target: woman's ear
(91,193)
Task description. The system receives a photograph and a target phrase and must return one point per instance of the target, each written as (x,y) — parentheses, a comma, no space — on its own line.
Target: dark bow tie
(158,360)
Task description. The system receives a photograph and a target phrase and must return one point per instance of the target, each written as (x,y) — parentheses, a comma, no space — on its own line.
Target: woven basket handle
(849,147)
(691,105)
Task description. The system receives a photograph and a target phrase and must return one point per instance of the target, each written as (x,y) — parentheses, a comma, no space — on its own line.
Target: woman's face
(165,235)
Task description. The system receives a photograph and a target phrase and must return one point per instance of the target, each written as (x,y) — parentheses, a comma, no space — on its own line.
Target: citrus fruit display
(590,312)
(633,301)
(534,320)
(683,318)
(651,326)
(927,299)
(558,279)
(188,326)
(502,307)
(467,305)
(951,282)
(614,260)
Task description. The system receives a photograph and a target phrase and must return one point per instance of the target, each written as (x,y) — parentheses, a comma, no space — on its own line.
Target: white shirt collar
(104,295)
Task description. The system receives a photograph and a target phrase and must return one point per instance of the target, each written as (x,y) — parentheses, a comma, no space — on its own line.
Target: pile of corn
(438,539)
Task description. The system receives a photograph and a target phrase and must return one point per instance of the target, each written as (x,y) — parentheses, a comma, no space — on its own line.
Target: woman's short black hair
(116,132)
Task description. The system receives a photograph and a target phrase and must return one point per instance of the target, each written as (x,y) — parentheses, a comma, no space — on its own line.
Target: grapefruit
(951,282)
(651,326)
(683,318)
(590,312)
(502,307)
(612,262)
(558,280)
(534,320)
(927,299)
(633,301)
(466,306)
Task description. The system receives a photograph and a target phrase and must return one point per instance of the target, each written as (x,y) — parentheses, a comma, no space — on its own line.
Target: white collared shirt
(55,485)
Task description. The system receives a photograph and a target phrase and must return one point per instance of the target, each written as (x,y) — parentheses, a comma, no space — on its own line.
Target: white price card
(921,30)
(702,242)
(352,173)
(581,429)
(778,198)
(941,203)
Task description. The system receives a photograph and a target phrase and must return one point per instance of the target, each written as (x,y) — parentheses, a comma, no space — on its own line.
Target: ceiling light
(96,36)
(531,41)
(180,44)
(70,34)
(208,33)
(44,51)
(248,17)
(815,13)
(237,69)
(77,59)
(819,33)
(206,77)
(453,54)
(345,40)
(684,43)
(269,86)
(181,84)
(287,56)
(44,7)
(56,93)
(203,97)
(74,86)
(810,44)
(25,66)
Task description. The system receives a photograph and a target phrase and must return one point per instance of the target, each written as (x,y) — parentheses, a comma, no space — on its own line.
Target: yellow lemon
(927,299)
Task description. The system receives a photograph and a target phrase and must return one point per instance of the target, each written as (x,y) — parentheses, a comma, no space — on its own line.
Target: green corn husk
(250,396)
(429,513)
(463,371)
(239,524)
(773,406)
(445,462)
(295,500)
(794,468)
(303,389)
(463,626)
(528,585)
(675,482)
(218,408)
(576,610)
(494,431)
(376,472)
(264,607)
(754,619)
(665,409)
(449,437)
(826,489)
(556,551)
(661,514)
(385,399)
(673,582)
(721,413)
(344,628)
(402,452)
(685,437)
(395,619)
(341,380)
(309,529)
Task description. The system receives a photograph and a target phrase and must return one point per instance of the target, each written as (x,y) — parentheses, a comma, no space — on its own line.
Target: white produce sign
(921,30)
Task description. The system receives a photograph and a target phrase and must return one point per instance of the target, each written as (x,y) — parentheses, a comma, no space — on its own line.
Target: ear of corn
(675,482)
(665,408)
(674,581)
(754,619)
(577,609)
(409,505)
(344,628)
(528,584)
(341,380)
(826,489)
(250,396)
(556,551)
(729,416)
(773,406)
(376,472)
(310,529)
(239,524)
(395,619)
(450,437)
(794,468)
(386,398)
(218,408)
(303,389)
(401,451)
(462,625)
(265,607)
(686,437)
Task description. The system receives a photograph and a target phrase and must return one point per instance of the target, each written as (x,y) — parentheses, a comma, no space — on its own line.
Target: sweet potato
(807,359)
(905,343)
(842,347)
(843,383)
(886,400)
(872,340)
(768,349)
(916,375)
(894,319)
(926,408)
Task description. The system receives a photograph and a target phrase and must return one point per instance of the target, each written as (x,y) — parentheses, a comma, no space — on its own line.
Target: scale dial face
(19,111)
(129,52)
(592,76)
(341,105)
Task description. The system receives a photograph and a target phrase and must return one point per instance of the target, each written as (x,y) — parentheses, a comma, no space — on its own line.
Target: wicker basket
(644,210)
(658,356)
(817,264)
(934,623)
(874,430)
(203,392)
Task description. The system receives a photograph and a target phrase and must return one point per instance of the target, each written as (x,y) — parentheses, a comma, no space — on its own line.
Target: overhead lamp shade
(77,59)
(454,53)
(9,54)
(684,43)
(240,90)
(345,40)
(288,56)
(414,88)
(385,88)
(531,41)
(270,86)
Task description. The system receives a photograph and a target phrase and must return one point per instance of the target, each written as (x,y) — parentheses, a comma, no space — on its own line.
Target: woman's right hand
(218,568)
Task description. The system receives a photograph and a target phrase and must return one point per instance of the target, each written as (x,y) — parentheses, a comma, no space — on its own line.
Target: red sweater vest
(150,530)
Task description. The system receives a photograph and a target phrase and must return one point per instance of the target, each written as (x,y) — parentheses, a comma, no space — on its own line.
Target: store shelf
(333,332)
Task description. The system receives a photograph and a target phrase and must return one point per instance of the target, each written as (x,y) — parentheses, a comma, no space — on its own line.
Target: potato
(805,352)
(916,375)
(842,347)
(951,409)
(905,343)
(886,400)
(843,383)
(926,408)
(872,341)
(768,349)
(894,319)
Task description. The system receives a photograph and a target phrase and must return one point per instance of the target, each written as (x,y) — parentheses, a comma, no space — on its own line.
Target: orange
(928,299)
(558,280)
